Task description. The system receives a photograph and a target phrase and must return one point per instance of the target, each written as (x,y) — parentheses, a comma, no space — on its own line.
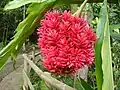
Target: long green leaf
(24,29)
(106,55)
(98,47)
(103,52)
(18,3)
(98,64)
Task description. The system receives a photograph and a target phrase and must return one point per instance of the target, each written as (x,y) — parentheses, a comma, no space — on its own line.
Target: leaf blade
(18,3)
(106,55)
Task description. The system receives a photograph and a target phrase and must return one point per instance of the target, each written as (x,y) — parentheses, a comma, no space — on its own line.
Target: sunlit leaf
(18,3)
(43,86)
(105,81)
(106,54)
(103,63)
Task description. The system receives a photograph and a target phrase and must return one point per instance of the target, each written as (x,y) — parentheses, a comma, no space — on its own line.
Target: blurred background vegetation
(8,22)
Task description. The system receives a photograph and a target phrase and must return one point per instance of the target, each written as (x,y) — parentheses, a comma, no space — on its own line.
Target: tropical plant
(37,9)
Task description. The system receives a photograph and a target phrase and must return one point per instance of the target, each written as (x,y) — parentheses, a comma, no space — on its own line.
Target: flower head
(66,42)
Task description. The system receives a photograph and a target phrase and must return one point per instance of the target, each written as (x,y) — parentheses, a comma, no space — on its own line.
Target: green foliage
(114,14)
(104,73)
(8,22)
(35,79)
(114,18)
(98,47)
(116,36)
(43,86)
(86,85)
(116,61)
(106,57)
(75,84)
(118,85)
(80,84)
(18,3)
(114,26)
(24,29)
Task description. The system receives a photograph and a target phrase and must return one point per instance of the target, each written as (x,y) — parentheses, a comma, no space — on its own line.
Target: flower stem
(74,83)
(78,12)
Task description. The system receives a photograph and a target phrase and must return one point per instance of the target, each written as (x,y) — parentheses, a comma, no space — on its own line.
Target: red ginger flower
(66,42)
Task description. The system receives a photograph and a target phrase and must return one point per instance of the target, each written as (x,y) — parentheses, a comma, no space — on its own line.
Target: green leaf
(78,12)
(98,63)
(106,55)
(3,59)
(103,61)
(115,36)
(82,85)
(112,27)
(80,1)
(18,3)
(86,85)
(24,29)
(118,85)
(43,86)
(78,85)
(107,61)
(70,81)
(98,47)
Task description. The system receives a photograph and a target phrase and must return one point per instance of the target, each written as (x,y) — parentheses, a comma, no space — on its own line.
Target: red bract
(66,42)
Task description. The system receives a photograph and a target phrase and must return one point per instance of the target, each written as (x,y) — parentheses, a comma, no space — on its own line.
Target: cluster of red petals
(66,42)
